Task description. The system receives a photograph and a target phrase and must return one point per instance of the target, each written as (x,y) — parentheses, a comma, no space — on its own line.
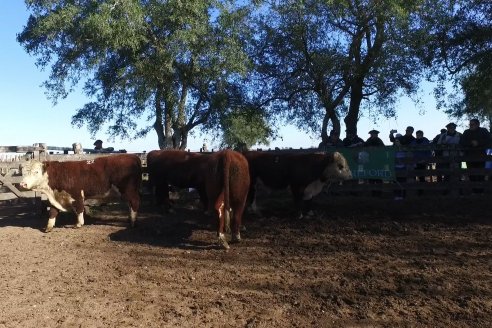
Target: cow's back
(177,167)
(94,177)
(123,170)
(271,168)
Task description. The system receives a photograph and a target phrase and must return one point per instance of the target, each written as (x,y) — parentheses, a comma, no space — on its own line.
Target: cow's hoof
(48,229)
(242,228)
(223,241)
(236,238)
(77,226)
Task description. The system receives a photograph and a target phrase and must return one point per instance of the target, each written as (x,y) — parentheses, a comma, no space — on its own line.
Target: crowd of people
(473,143)
(473,138)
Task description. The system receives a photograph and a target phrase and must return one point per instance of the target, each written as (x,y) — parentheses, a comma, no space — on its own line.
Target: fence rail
(442,171)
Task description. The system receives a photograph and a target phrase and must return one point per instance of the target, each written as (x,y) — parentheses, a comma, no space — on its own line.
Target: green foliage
(315,57)
(170,62)
(238,69)
(245,128)
(460,52)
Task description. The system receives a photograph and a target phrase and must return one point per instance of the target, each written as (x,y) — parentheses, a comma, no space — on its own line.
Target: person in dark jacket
(404,140)
(374,140)
(475,140)
(437,137)
(333,141)
(352,140)
(421,156)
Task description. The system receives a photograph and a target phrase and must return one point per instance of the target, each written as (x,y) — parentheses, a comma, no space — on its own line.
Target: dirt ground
(357,263)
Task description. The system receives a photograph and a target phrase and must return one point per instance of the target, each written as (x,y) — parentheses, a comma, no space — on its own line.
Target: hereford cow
(68,184)
(305,173)
(177,168)
(222,180)
(226,183)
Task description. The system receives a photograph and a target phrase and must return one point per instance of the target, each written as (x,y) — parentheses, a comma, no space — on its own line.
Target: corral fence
(403,172)
(12,158)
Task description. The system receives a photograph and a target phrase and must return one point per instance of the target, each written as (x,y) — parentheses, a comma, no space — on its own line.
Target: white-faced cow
(177,168)
(68,184)
(305,173)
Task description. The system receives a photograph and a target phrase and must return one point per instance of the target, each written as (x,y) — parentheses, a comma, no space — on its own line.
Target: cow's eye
(340,167)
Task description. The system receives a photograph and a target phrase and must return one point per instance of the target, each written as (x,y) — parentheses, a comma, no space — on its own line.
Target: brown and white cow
(305,173)
(178,168)
(226,183)
(68,184)
(222,180)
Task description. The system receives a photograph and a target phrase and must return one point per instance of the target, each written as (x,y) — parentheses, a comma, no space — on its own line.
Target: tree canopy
(461,51)
(320,59)
(238,69)
(173,62)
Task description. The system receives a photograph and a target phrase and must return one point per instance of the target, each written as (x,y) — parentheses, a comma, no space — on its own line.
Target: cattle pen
(442,172)
(356,262)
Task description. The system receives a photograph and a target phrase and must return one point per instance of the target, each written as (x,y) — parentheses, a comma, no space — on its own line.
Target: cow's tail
(227,205)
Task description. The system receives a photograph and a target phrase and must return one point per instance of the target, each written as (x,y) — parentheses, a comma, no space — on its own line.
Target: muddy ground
(357,263)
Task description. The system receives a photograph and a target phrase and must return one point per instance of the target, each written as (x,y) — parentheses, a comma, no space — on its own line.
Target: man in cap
(98,145)
(449,137)
(405,139)
(475,140)
(374,140)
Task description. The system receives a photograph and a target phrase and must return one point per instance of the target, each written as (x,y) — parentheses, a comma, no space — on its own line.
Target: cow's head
(33,175)
(337,169)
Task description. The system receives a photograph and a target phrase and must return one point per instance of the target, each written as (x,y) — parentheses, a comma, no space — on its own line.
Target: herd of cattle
(226,180)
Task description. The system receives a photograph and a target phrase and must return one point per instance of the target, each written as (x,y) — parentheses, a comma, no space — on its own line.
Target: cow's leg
(132,196)
(220,208)
(251,200)
(79,209)
(236,227)
(298,193)
(52,219)
(203,198)
(133,217)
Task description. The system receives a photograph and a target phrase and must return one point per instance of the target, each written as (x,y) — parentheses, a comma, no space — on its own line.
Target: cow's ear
(337,156)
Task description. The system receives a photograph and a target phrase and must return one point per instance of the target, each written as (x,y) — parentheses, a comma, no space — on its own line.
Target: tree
(460,51)
(318,60)
(171,62)
(244,128)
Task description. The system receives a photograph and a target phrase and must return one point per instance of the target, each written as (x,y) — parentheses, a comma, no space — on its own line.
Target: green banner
(371,162)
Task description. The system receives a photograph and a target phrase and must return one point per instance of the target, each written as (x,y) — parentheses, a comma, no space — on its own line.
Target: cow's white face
(33,177)
(338,170)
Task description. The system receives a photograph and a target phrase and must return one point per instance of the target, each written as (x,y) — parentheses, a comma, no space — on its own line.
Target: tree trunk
(330,114)
(352,117)
(158,126)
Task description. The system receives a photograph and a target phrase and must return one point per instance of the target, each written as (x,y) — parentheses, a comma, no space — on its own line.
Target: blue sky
(28,116)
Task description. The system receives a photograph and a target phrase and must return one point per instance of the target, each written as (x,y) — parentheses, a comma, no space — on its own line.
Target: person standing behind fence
(437,137)
(405,139)
(98,145)
(474,140)
(352,140)
(333,141)
(421,156)
(450,138)
(374,140)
